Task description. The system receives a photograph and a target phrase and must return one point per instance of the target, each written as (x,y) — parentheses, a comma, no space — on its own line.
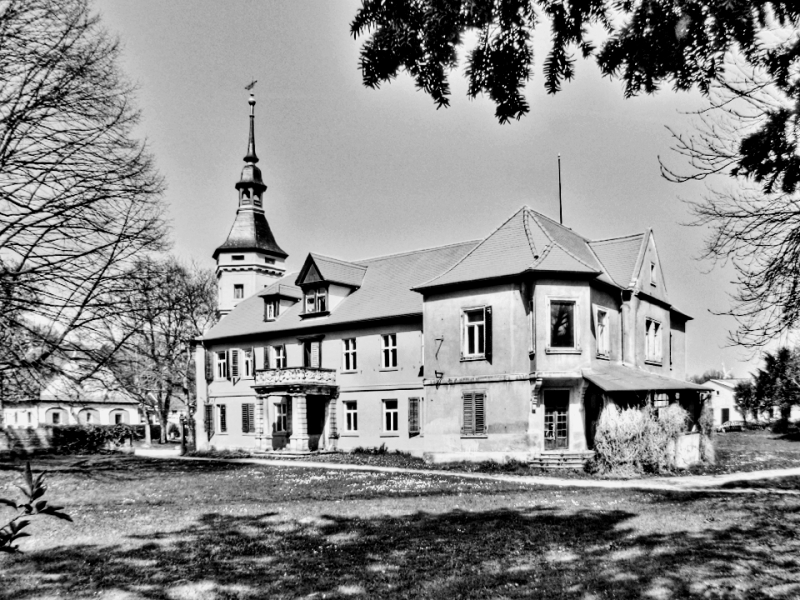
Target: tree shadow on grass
(509,553)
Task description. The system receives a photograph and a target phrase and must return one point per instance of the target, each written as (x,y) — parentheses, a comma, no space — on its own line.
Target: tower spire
(251,141)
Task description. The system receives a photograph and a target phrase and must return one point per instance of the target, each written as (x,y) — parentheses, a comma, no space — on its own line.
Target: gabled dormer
(325,282)
(278,298)
(648,274)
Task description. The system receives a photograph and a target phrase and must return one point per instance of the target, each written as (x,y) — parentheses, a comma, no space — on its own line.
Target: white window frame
(653,341)
(603,335)
(238,287)
(576,347)
(220,365)
(315,300)
(391,416)
(272,309)
(388,351)
(248,363)
(279,356)
(350,416)
(349,355)
(479,328)
(281,417)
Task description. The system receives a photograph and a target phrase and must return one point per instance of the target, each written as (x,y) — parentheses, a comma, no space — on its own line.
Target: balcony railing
(291,376)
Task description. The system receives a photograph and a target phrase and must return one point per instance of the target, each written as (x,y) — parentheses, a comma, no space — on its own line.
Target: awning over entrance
(618,378)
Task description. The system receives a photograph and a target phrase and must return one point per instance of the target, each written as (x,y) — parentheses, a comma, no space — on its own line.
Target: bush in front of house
(635,440)
(89,439)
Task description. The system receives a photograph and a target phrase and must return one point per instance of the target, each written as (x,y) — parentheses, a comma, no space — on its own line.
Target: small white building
(723,400)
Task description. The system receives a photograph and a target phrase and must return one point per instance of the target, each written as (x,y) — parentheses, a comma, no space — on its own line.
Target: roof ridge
(559,224)
(463,258)
(531,245)
(554,242)
(431,249)
(617,238)
(337,260)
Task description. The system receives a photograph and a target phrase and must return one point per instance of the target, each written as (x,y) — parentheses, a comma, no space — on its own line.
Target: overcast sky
(353,172)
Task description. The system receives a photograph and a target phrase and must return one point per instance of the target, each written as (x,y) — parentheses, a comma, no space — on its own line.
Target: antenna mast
(560,207)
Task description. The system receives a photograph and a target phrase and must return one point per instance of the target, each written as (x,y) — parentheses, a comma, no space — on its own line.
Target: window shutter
(332,425)
(289,416)
(480,415)
(469,421)
(265,357)
(315,354)
(209,419)
(488,341)
(209,365)
(227,364)
(413,415)
(234,366)
(245,419)
(251,358)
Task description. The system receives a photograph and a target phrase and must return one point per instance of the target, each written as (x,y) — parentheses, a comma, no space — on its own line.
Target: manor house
(508,346)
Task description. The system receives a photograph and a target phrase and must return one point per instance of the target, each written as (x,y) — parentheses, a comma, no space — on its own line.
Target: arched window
(56,416)
(119,417)
(89,416)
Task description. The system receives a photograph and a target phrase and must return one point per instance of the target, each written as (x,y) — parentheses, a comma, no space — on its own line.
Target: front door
(556,419)
(315,413)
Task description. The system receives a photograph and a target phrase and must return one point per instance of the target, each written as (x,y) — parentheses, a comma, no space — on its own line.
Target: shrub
(633,440)
(89,439)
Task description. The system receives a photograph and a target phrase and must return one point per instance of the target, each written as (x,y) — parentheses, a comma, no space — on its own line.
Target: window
(562,324)
(653,274)
(271,309)
(652,341)
(413,416)
(223,418)
(389,351)
(390,415)
(248,417)
(30,417)
(281,417)
(726,415)
(349,354)
(56,418)
(222,365)
(351,416)
(280,356)
(474,415)
(249,366)
(316,300)
(238,291)
(118,417)
(238,257)
(474,333)
(312,354)
(601,331)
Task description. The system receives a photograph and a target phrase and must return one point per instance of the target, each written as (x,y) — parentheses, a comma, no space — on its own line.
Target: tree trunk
(162,418)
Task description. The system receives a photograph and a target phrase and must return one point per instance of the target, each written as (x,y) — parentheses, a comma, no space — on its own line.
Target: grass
(758,450)
(159,529)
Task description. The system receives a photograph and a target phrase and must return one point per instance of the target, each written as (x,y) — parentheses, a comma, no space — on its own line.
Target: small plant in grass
(33,490)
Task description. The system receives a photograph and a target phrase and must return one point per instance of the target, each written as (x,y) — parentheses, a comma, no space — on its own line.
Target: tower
(250,258)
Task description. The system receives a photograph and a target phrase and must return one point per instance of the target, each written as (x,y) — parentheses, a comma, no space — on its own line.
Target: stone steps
(561,460)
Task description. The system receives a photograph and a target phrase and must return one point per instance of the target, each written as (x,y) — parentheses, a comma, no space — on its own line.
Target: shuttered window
(476,333)
(311,354)
(474,422)
(248,418)
(265,357)
(413,416)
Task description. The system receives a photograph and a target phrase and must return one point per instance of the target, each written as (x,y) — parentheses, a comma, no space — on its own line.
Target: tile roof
(528,241)
(385,292)
(621,378)
(619,256)
(283,288)
(339,271)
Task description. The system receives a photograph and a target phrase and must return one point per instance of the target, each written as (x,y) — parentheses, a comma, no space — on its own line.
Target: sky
(354,172)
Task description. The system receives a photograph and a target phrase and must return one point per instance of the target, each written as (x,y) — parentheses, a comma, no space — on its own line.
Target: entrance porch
(298,408)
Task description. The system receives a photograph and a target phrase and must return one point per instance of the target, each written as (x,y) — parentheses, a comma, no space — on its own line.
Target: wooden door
(556,419)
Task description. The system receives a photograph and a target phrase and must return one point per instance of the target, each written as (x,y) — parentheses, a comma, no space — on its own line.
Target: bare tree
(754,221)
(80,198)
(168,306)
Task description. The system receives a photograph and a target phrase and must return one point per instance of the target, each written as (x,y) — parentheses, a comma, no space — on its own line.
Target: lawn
(147,529)
(755,451)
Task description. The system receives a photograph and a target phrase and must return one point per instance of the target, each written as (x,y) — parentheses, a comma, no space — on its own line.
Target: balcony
(308,380)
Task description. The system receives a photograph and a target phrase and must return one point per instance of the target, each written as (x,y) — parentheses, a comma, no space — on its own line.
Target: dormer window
(271,309)
(316,300)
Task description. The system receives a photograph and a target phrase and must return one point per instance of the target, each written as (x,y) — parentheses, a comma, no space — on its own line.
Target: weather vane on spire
(251,85)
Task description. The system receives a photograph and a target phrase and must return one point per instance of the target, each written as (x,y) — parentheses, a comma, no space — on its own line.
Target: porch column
(261,422)
(299,439)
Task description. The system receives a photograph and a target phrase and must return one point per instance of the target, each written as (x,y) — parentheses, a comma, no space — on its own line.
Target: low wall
(687,450)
